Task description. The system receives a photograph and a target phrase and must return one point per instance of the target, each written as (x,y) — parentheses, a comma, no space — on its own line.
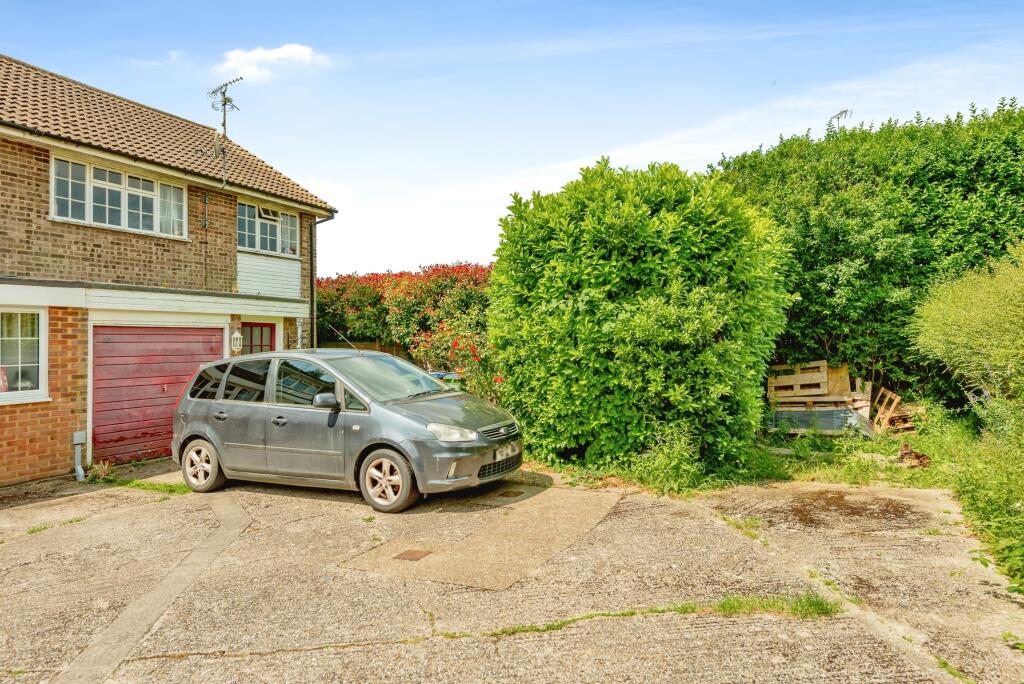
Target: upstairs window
(116,199)
(267,230)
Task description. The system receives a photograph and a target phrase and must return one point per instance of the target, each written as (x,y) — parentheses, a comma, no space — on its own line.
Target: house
(129,254)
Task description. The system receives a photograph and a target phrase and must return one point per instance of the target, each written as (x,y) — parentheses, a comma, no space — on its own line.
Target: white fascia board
(99,298)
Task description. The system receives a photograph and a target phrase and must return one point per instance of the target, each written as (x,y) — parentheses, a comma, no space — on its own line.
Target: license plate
(506,451)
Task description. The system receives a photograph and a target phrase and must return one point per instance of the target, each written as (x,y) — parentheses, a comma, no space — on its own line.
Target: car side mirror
(326,400)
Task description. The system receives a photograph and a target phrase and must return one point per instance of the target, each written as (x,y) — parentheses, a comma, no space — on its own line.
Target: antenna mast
(222,103)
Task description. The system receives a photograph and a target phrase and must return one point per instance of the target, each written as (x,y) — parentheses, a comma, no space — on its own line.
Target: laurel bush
(633,300)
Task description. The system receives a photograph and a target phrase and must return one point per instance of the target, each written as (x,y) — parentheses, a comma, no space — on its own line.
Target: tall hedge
(631,300)
(875,216)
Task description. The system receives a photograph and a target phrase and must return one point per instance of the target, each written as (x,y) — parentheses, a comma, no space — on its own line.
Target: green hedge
(974,325)
(632,300)
(875,216)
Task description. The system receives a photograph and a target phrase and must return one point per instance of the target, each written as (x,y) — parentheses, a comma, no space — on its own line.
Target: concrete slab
(905,554)
(504,551)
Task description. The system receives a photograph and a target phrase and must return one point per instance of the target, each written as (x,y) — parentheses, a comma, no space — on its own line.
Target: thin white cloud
(377,230)
(172,57)
(264,64)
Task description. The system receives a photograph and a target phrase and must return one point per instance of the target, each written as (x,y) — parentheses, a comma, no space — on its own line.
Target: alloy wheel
(383,481)
(199,465)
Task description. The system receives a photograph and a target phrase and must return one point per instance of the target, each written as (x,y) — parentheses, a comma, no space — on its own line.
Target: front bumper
(474,463)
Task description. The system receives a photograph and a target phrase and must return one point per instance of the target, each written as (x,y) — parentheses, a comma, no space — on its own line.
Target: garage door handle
(220,415)
(280,420)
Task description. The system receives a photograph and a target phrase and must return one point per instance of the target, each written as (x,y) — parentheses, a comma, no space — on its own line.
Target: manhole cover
(412,555)
(510,493)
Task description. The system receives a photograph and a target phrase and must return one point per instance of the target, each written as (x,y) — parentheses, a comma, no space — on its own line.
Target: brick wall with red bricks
(35,439)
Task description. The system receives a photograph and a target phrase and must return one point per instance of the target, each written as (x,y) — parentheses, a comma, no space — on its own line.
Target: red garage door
(137,376)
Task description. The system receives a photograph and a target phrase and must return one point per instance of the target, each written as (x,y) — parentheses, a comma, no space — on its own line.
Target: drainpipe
(312,277)
(78,439)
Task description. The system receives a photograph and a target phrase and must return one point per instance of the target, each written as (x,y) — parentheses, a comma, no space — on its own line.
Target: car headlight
(450,433)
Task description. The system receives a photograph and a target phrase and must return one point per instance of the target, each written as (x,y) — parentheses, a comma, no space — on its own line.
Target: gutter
(312,277)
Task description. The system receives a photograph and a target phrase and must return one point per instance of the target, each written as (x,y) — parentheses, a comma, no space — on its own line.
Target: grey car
(339,418)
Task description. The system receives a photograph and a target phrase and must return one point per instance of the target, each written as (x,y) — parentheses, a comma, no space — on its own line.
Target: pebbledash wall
(182,279)
(35,438)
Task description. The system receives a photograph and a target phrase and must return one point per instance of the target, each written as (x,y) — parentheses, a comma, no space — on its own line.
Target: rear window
(208,382)
(247,381)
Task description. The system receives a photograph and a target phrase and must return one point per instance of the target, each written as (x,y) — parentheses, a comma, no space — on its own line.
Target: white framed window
(267,230)
(23,359)
(141,204)
(289,234)
(246,226)
(113,198)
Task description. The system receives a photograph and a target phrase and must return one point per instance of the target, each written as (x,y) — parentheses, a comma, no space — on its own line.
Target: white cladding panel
(269,276)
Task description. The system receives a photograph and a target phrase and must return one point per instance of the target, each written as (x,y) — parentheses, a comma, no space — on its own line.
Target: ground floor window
(22,355)
(257,337)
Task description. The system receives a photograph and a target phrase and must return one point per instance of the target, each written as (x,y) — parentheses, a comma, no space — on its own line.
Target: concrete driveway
(528,580)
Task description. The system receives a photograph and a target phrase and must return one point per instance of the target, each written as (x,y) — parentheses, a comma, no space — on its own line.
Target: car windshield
(386,378)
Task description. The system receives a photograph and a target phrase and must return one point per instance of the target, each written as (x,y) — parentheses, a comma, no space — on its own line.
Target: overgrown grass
(144,485)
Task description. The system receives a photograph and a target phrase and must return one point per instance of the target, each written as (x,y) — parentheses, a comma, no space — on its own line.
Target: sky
(418,120)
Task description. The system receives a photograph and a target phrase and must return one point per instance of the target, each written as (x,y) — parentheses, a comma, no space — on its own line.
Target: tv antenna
(841,114)
(223,103)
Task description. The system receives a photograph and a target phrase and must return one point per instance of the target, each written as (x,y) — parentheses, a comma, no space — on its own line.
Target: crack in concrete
(496,635)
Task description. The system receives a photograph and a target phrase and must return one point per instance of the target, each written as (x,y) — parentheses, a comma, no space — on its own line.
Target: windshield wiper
(425,393)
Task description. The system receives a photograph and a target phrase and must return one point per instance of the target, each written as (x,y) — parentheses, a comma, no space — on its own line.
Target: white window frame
(43,393)
(124,189)
(272,217)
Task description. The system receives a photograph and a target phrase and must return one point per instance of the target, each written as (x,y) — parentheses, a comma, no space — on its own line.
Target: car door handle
(220,415)
(280,420)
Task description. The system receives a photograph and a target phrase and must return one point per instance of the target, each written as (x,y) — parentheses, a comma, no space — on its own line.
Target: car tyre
(200,467)
(387,482)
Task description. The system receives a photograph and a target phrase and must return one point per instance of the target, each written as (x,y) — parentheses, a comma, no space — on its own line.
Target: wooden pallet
(798,380)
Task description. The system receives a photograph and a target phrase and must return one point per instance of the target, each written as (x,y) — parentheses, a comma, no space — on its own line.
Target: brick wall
(39,248)
(35,439)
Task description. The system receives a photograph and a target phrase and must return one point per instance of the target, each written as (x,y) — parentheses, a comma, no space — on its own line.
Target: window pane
(172,210)
(247,381)
(61,188)
(78,172)
(78,208)
(9,326)
(147,222)
(99,174)
(60,168)
(134,221)
(9,352)
(353,403)
(28,379)
(78,191)
(208,382)
(30,351)
(62,208)
(299,381)
(29,325)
